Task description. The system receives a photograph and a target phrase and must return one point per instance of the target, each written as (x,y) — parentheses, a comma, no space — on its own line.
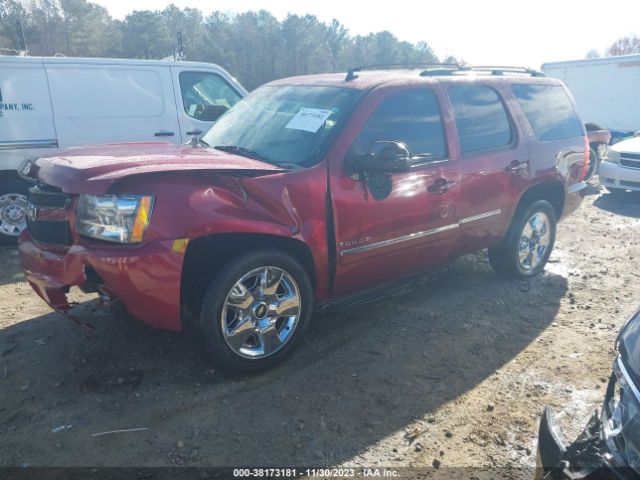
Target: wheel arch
(206,254)
(553,191)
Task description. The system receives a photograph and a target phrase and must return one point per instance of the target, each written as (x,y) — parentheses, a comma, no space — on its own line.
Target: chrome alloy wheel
(13,220)
(261,312)
(534,241)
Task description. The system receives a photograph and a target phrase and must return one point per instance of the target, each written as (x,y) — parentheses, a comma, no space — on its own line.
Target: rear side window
(412,117)
(549,111)
(206,96)
(481,119)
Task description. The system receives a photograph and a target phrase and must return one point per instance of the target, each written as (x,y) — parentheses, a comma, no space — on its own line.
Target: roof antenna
(179,54)
(22,42)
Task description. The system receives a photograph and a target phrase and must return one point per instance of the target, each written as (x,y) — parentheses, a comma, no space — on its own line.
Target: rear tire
(254,312)
(13,202)
(526,247)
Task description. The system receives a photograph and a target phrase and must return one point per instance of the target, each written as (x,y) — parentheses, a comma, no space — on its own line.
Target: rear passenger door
(493,163)
(103,103)
(202,97)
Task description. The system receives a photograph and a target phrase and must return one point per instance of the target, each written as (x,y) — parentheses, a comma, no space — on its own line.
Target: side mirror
(385,156)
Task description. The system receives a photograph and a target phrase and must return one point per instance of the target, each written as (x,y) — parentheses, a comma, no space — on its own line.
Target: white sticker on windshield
(309,119)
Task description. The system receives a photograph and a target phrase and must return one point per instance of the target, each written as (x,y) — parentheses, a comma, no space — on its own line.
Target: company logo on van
(14,107)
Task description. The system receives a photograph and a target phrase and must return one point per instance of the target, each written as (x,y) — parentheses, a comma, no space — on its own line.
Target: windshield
(283,124)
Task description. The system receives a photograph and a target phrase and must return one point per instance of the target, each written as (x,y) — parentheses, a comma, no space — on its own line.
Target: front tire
(254,312)
(526,248)
(13,204)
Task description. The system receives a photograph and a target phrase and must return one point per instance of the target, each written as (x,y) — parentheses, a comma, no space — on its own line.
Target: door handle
(442,185)
(516,166)
(164,134)
(194,132)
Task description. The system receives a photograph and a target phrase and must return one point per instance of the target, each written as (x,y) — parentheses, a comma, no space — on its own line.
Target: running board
(368,296)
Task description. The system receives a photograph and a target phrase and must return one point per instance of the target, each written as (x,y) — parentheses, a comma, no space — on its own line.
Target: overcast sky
(480,32)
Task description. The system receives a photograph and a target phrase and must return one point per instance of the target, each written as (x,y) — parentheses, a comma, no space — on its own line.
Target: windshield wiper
(245,152)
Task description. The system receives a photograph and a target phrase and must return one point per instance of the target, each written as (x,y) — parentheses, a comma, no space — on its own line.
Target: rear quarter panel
(555,160)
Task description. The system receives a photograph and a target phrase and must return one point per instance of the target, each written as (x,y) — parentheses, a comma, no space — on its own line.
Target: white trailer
(607,90)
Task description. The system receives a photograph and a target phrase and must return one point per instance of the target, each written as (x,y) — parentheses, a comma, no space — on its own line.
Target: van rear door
(26,119)
(99,102)
(202,96)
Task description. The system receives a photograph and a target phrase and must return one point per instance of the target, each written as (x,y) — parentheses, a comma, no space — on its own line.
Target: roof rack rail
(445,69)
(351,73)
(502,69)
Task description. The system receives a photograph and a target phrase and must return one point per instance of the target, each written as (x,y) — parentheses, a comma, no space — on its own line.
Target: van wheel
(526,248)
(254,312)
(13,207)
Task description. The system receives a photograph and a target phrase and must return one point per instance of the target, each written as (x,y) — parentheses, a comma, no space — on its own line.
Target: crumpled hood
(93,169)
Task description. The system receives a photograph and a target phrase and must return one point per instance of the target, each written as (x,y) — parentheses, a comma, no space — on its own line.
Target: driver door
(395,225)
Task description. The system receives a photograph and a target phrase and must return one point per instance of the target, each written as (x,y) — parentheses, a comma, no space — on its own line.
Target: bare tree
(624,46)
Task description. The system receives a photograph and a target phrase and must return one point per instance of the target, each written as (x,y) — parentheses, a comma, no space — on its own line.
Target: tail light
(585,163)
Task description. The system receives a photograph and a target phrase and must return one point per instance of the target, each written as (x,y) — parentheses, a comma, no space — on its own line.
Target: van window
(412,117)
(549,111)
(206,96)
(81,92)
(481,119)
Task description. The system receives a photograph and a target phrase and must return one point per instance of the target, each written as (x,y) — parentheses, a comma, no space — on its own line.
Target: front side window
(412,117)
(284,124)
(549,111)
(206,96)
(481,119)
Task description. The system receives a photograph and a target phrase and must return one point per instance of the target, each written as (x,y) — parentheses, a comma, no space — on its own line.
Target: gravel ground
(454,373)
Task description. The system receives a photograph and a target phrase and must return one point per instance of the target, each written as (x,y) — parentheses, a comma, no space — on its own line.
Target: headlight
(114,218)
(611,156)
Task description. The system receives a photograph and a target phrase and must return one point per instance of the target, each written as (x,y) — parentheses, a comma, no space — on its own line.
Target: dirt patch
(454,373)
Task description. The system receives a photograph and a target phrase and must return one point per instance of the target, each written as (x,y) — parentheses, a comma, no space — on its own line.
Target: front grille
(57,233)
(627,183)
(630,160)
(49,231)
(49,199)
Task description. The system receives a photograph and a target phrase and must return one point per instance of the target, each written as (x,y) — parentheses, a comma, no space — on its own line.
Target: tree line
(627,45)
(255,47)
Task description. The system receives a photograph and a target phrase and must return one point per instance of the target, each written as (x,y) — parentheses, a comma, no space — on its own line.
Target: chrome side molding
(413,236)
(26,144)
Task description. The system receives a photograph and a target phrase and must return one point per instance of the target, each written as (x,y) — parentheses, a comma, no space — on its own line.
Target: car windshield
(283,125)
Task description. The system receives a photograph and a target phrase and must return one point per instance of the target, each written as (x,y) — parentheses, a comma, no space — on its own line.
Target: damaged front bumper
(146,279)
(599,452)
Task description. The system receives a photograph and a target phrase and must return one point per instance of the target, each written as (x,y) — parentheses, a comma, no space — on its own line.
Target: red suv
(312,193)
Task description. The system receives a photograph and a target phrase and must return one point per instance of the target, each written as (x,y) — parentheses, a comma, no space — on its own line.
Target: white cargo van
(52,103)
